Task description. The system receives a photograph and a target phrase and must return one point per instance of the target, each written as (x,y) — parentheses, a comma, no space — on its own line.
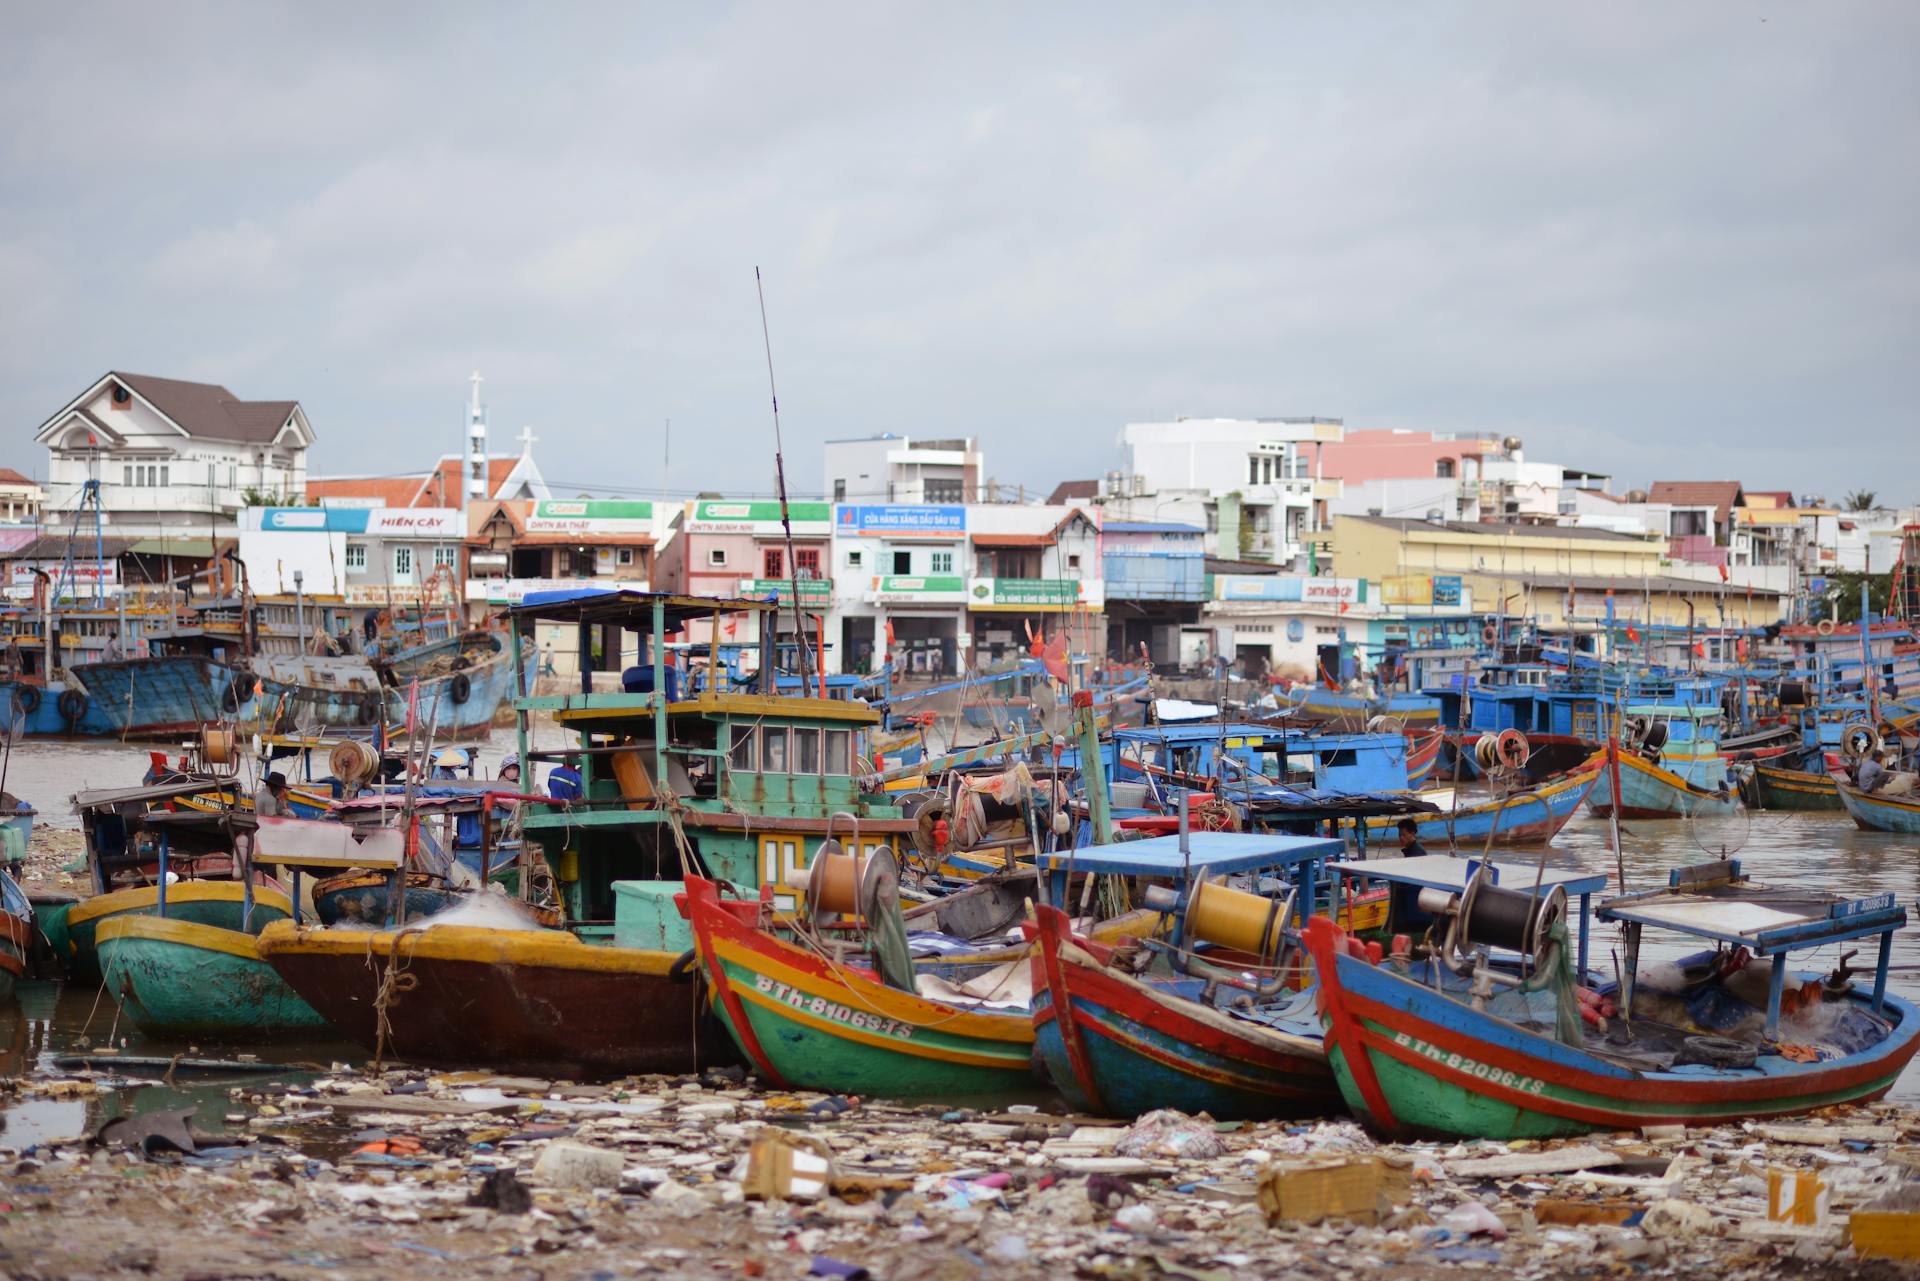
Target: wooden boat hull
(1533,816)
(1115,1045)
(1413,1063)
(217,903)
(804,1023)
(535,1001)
(1423,753)
(175,978)
(16,944)
(1792,789)
(1650,792)
(1877,812)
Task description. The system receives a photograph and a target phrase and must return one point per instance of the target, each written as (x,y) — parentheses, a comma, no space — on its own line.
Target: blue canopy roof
(1209,854)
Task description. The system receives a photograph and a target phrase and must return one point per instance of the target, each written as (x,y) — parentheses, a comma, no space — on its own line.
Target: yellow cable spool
(1235,919)
(216,744)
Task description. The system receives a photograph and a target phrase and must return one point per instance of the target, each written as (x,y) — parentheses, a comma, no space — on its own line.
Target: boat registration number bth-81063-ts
(821,1008)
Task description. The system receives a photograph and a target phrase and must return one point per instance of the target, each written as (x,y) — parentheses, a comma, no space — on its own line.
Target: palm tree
(1860,500)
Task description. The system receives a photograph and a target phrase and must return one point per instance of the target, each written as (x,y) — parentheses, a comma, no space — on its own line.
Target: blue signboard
(1446,589)
(885,521)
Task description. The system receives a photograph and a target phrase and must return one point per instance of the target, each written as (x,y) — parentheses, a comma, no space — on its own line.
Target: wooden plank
(418,1105)
(1516,1165)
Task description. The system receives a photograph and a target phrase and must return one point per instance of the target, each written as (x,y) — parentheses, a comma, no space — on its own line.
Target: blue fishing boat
(1717,1036)
(1879,812)
(1670,760)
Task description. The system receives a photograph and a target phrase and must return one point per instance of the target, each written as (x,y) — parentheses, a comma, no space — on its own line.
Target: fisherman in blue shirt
(564,783)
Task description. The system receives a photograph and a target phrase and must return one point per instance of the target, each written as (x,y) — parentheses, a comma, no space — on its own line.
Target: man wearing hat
(271,800)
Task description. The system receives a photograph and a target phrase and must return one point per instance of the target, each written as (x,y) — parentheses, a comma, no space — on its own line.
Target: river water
(1822,850)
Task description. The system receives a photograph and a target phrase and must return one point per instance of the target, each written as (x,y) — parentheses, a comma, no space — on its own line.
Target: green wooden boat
(178,978)
(220,904)
(1792,789)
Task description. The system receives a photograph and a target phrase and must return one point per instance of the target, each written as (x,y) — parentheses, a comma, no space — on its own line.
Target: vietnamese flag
(1633,635)
(1723,572)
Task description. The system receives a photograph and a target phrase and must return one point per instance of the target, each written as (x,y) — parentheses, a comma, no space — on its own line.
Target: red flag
(1036,643)
(1699,649)
(1632,635)
(1054,657)
(889,633)
(732,626)
(1723,572)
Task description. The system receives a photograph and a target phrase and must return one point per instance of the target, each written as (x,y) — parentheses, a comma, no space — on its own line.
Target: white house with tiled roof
(172,457)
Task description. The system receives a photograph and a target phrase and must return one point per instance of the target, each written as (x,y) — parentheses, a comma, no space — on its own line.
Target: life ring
(26,699)
(1423,636)
(72,705)
(1824,627)
(1489,633)
(1460,627)
(1512,748)
(1859,740)
(460,687)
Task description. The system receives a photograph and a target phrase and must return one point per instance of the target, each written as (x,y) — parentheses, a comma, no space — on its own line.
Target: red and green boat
(805,1019)
(1721,1036)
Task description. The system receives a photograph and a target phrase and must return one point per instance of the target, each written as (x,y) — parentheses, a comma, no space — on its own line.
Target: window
(838,760)
(903,562)
(1443,469)
(806,562)
(839,491)
(942,563)
(853,560)
(126,476)
(356,556)
(163,473)
(403,562)
(1073,560)
(946,491)
(806,751)
(448,556)
(626,555)
(741,757)
(1253,469)
(773,564)
(773,750)
(716,556)
(232,475)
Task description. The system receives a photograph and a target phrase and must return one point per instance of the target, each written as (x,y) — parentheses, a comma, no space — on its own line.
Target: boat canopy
(633,610)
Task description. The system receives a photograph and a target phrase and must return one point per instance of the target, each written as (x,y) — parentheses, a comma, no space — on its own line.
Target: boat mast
(786,519)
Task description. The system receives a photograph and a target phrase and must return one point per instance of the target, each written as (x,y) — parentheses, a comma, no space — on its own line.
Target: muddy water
(1815,850)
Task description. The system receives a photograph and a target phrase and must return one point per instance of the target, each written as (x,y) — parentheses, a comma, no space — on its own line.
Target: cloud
(1676,238)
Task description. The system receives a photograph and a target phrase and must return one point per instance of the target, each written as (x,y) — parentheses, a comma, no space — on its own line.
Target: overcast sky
(1671,241)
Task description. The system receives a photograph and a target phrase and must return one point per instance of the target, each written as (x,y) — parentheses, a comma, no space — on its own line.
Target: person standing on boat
(564,782)
(270,801)
(1410,846)
(113,653)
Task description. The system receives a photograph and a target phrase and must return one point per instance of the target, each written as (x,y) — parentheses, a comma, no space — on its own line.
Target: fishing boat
(1879,812)
(1777,787)
(145,860)
(1670,761)
(1507,815)
(16,935)
(1211,1022)
(723,784)
(1722,1035)
(809,1012)
(178,978)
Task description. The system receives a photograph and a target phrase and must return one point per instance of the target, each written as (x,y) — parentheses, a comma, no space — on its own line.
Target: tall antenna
(780,479)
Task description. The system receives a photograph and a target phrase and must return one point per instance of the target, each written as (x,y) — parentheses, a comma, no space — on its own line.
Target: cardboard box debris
(1356,1190)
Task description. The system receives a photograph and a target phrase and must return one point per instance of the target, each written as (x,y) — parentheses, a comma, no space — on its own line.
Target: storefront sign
(388,522)
(1447,589)
(1421,589)
(590,516)
(718,516)
(929,588)
(1039,594)
(853,521)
